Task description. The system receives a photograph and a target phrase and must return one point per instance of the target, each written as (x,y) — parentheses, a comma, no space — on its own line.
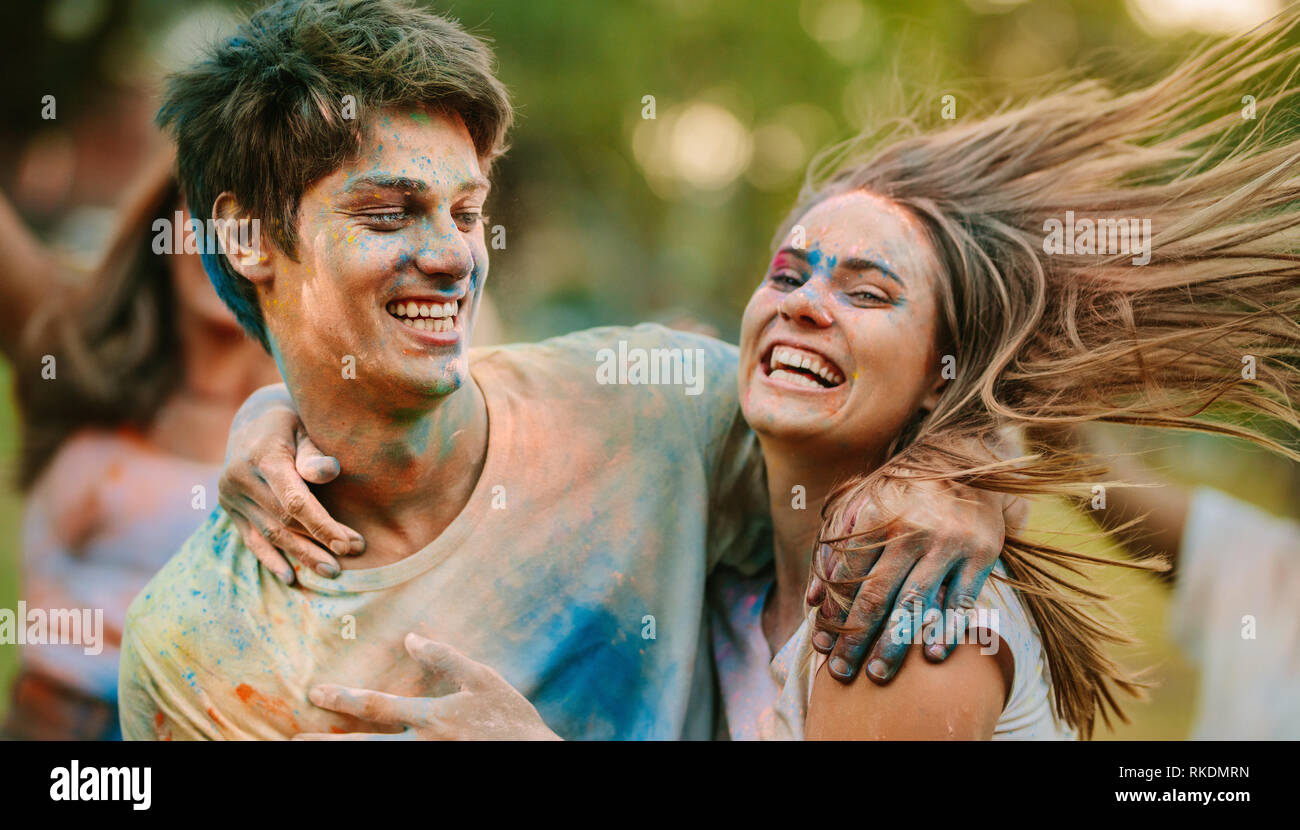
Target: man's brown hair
(282,103)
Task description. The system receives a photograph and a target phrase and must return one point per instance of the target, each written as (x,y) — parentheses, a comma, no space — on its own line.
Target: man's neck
(407,472)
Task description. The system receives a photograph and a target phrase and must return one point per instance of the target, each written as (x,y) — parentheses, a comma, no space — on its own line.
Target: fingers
(965,586)
(449,666)
(289,541)
(368,705)
(297,504)
(874,599)
(915,619)
(407,734)
(841,565)
(312,464)
(265,552)
(816,588)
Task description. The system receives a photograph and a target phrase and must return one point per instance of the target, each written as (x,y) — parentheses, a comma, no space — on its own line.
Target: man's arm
(936,543)
(263,487)
(143,714)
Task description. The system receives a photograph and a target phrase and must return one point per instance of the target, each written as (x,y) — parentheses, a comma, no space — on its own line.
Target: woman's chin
(788,421)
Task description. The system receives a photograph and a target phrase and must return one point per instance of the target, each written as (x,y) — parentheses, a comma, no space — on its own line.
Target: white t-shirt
(766,698)
(1236,612)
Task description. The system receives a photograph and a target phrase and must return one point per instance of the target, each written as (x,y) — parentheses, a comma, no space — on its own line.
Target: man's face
(391,262)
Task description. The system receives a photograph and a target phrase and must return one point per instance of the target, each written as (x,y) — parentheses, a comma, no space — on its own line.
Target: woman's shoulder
(1002,625)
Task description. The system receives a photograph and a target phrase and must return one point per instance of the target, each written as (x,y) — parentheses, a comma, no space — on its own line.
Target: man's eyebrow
(798,253)
(409,185)
(389,183)
(476,183)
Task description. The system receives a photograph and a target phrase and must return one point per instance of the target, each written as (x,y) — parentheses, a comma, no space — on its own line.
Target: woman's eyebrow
(859,264)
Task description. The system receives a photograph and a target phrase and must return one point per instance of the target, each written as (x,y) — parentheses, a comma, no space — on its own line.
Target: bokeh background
(611,217)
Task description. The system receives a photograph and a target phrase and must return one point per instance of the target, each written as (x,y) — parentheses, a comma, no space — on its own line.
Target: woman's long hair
(1203,336)
(116,350)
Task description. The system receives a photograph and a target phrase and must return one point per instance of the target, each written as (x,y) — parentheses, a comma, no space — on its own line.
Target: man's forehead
(419,145)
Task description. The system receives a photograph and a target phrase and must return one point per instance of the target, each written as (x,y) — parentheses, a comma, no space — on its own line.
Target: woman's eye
(870,297)
(787,279)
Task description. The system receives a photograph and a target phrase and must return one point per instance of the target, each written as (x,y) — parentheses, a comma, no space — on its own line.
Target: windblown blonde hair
(1042,341)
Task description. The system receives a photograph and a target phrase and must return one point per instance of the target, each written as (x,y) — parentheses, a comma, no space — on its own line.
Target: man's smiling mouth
(801,367)
(426,315)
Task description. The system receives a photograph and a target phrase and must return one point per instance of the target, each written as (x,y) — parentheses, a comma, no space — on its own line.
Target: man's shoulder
(208,570)
(634,361)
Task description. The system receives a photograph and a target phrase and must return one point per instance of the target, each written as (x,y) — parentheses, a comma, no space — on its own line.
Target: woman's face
(194,292)
(838,344)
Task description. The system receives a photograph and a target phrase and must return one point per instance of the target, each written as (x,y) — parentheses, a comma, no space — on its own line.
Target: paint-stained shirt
(576,569)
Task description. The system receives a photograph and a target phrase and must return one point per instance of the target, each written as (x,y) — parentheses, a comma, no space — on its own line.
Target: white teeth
(800,359)
(796,379)
(439,316)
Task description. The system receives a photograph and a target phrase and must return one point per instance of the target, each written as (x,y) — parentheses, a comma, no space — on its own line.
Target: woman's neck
(221,367)
(798,484)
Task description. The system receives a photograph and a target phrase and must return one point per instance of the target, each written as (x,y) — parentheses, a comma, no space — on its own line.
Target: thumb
(314,466)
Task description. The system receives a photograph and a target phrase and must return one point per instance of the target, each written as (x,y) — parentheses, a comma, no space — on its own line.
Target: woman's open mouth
(801,367)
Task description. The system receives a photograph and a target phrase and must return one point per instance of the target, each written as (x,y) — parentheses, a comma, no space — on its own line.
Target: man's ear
(241,240)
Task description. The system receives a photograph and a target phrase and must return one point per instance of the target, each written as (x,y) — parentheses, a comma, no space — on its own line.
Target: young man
(548,524)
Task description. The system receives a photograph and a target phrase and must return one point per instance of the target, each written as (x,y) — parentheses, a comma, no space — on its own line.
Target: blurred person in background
(1236,590)
(121,446)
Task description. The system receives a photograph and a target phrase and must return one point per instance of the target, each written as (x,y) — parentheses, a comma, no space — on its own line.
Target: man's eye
(387,220)
(787,279)
(469,220)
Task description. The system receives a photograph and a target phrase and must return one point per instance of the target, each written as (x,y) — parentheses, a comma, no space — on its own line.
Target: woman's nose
(806,306)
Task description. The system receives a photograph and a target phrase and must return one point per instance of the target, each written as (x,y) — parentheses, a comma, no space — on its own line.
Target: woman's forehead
(859,223)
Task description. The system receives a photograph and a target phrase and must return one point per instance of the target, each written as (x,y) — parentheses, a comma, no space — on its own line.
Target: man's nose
(446,251)
(806,306)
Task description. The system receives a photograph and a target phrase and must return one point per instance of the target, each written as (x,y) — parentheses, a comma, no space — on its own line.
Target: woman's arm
(28,274)
(959,699)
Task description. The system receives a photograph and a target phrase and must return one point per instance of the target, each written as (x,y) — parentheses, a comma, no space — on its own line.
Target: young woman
(937,249)
(124,433)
